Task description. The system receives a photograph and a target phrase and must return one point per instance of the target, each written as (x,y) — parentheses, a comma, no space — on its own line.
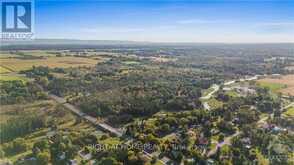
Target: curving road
(226,141)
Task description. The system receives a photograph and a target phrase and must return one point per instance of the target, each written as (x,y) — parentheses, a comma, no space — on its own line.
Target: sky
(251,21)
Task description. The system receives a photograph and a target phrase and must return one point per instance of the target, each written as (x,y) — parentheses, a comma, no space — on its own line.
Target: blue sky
(166,20)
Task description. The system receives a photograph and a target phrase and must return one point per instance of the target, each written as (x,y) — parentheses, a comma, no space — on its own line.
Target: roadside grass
(14,158)
(206,91)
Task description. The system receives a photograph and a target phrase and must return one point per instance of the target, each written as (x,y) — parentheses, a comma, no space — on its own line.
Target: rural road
(91,119)
(263,120)
(216,87)
(100,124)
(209,95)
(226,141)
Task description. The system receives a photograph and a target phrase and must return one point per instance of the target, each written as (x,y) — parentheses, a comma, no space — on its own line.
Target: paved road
(206,106)
(227,141)
(209,95)
(102,125)
(87,117)
(263,120)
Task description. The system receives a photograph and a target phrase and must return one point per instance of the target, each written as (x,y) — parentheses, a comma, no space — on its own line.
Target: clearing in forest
(283,84)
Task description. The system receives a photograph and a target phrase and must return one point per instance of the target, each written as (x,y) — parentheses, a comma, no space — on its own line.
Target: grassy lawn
(289,112)
(232,93)
(111,141)
(215,137)
(212,146)
(213,103)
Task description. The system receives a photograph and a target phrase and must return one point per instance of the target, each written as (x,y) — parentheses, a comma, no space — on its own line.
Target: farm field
(52,62)
(11,77)
(151,101)
(284,84)
(4,70)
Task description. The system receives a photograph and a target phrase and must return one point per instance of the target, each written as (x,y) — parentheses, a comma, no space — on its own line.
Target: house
(203,141)
(235,120)
(244,91)
(247,146)
(210,162)
(214,131)
(73,162)
(266,126)
(278,129)
(62,156)
(84,155)
(246,140)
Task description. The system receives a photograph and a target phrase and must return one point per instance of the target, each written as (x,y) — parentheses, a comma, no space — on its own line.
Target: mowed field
(284,84)
(16,64)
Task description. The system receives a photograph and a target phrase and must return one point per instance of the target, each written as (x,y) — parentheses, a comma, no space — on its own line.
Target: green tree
(43,158)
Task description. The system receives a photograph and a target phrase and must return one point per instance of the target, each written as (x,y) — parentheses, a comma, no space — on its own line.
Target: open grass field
(11,77)
(4,70)
(52,62)
(284,84)
(37,53)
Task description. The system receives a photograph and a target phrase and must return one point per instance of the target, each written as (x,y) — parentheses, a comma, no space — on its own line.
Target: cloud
(111,30)
(126,29)
(276,24)
(275,27)
(201,21)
